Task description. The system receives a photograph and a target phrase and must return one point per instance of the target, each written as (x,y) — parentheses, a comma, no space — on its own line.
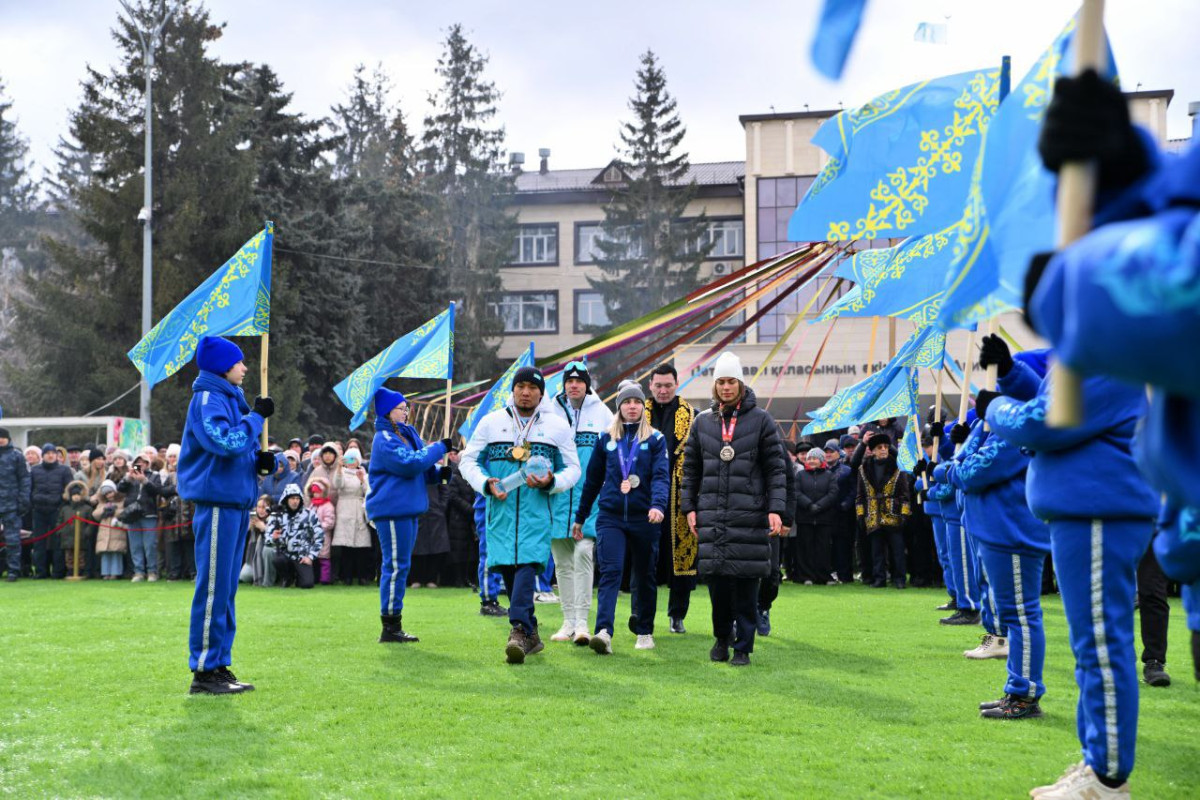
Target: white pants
(573,566)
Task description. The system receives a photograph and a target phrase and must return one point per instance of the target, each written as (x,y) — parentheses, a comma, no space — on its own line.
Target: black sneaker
(720,651)
(1014,708)
(947,606)
(1155,674)
(993,703)
(764,623)
(491,608)
(961,617)
(740,660)
(515,649)
(677,625)
(210,682)
(226,675)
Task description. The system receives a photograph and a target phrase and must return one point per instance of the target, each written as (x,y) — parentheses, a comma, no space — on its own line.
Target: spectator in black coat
(48,481)
(460,522)
(734,496)
(842,548)
(14,500)
(816,514)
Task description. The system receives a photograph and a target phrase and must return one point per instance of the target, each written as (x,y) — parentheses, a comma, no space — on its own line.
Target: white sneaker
(989,647)
(565,633)
(602,643)
(545,597)
(1038,791)
(644,642)
(1081,783)
(581,634)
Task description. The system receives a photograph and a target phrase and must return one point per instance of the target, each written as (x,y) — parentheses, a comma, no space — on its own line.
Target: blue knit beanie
(386,400)
(217,355)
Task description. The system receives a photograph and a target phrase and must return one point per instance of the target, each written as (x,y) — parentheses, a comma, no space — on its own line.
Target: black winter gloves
(444,474)
(994,350)
(449,445)
(959,434)
(1088,120)
(937,430)
(1033,275)
(265,463)
(982,400)
(264,406)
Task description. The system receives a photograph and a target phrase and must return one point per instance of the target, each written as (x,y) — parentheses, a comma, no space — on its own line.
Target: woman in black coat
(816,516)
(734,496)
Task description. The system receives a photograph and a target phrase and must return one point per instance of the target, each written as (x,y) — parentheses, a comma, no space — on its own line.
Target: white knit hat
(728,366)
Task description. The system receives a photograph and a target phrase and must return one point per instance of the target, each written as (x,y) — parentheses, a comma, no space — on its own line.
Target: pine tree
(20,217)
(650,254)
(462,156)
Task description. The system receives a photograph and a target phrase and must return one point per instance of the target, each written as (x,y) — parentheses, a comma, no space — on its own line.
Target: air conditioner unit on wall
(722,269)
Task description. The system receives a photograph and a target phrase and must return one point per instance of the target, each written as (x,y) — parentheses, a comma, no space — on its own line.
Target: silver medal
(634,481)
(727,453)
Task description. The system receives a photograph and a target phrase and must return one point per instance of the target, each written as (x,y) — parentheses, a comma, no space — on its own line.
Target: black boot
(211,681)
(720,650)
(392,632)
(492,608)
(1155,674)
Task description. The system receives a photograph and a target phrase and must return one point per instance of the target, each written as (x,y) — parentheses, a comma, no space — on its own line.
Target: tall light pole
(150,40)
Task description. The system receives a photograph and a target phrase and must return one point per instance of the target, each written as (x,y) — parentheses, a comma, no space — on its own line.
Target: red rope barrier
(86,521)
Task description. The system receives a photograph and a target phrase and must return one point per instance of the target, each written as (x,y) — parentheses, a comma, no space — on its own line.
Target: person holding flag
(587,416)
(219,462)
(401,464)
(631,479)
(535,454)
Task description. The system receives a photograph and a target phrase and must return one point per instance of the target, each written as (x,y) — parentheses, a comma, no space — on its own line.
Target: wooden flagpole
(1076,194)
(262,382)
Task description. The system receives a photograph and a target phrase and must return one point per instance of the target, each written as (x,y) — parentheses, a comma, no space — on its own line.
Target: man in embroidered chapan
(218,459)
(883,503)
(672,416)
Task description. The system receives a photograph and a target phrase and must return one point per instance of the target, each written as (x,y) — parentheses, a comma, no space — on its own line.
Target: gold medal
(625,486)
(519,453)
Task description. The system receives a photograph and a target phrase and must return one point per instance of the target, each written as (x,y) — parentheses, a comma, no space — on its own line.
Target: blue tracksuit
(964,565)
(622,521)
(1085,483)
(217,473)
(401,465)
(1012,546)
(936,498)
(490,583)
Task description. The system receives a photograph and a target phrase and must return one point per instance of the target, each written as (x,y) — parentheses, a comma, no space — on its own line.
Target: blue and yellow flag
(900,165)
(497,396)
(904,281)
(1009,214)
(910,447)
(427,352)
(890,392)
(234,301)
(835,35)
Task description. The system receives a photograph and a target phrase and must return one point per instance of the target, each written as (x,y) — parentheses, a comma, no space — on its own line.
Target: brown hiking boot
(534,644)
(516,648)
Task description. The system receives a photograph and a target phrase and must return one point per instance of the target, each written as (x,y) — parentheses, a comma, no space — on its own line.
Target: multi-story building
(547,297)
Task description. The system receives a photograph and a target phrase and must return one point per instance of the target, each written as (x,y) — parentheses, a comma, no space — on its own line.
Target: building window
(591,314)
(536,244)
(587,249)
(527,312)
(728,237)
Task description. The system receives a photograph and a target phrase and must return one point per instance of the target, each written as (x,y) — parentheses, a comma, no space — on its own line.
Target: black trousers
(181,558)
(866,563)
(734,599)
(768,588)
(680,587)
(354,563)
(842,546)
(1153,608)
(814,542)
(882,540)
(288,571)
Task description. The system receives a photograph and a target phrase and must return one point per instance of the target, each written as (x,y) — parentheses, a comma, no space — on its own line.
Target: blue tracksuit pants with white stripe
(939,543)
(220,545)
(989,614)
(1015,581)
(397,535)
(966,571)
(1096,564)
(491,584)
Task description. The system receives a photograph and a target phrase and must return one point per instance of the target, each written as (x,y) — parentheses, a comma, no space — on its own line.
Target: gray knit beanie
(629,390)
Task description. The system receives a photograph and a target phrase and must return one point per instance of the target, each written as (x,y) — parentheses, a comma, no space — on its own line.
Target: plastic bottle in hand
(538,467)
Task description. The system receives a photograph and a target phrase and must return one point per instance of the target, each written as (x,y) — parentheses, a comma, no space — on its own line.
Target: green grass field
(857,693)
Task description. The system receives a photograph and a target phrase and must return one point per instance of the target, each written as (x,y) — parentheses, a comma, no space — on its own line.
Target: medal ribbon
(628,455)
(727,433)
(521,437)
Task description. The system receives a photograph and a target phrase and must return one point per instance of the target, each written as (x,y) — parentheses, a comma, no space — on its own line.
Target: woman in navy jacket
(401,465)
(630,474)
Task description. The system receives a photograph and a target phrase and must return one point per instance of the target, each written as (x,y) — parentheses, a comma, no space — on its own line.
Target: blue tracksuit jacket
(399,471)
(220,445)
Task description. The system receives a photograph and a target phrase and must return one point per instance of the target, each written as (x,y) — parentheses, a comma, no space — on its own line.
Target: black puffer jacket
(49,482)
(816,497)
(14,481)
(732,499)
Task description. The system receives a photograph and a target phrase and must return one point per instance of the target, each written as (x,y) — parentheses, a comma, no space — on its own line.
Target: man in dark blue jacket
(218,462)
(49,480)
(14,501)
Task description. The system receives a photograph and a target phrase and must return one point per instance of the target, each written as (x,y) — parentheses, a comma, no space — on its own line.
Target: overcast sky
(566,68)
